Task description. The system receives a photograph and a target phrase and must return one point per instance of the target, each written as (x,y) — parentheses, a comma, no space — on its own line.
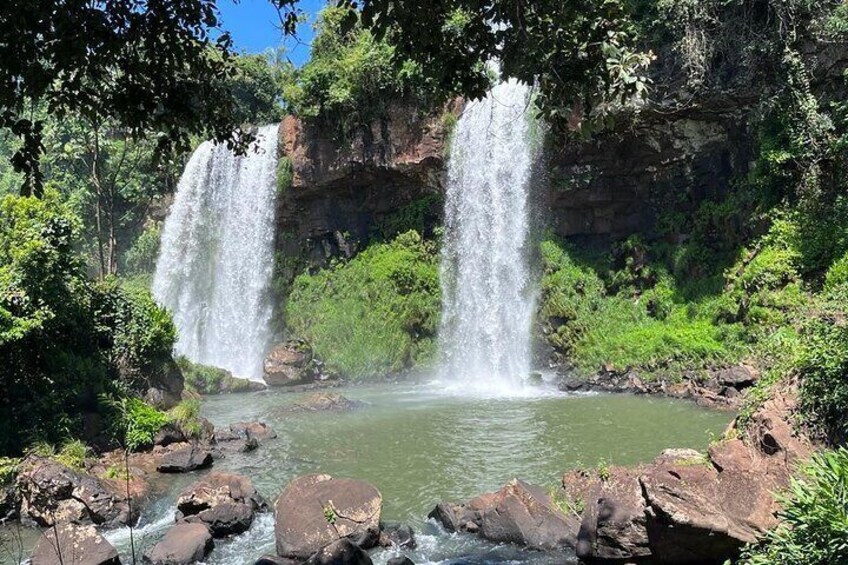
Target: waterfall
(216,258)
(487,291)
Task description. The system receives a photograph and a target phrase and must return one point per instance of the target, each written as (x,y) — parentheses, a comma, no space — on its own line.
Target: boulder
(737,377)
(315,510)
(71,544)
(398,535)
(185,459)
(246,430)
(52,493)
(10,503)
(183,544)
(340,552)
(288,363)
(518,513)
(169,434)
(612,529)
(325,402)
(224,502)
(276,560)
(400,560)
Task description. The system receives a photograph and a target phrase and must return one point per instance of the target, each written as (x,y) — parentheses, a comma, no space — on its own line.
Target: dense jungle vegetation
(96,130)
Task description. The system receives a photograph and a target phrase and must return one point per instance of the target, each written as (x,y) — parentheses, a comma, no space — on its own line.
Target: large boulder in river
(224,502)
(183,544)
(71,544)
(52,493)
(518,513)
(316,510)
(288,363)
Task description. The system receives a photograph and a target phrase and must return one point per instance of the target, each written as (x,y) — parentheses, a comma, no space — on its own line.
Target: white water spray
(216,260)
(487,292)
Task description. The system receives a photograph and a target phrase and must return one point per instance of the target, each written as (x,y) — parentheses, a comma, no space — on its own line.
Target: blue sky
(254,26)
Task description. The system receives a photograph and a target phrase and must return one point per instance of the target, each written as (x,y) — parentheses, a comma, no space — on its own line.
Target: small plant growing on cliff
(603,470)
(330,514)
(285,174)
(564,504)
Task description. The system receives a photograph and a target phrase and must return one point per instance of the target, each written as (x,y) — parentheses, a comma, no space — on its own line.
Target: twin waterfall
(487,290)
(216,260)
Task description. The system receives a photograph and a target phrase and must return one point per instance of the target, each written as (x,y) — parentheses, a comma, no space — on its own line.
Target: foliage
(71,453)
(257,85)
(135,423)
(8,469)
(640,327)
(352,76)
(149,66)
(814,517)
(285,174)
(824,366)
(90,337)
(375,314)
(186,415)
(141,257)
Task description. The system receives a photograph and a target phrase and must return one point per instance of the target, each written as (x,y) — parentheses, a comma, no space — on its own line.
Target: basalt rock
(224,502)
(340,552)
(400,560)
(183,544)
(184,459)
(52,493)
(289,363)
(398,535)
(518,513)
(72,544)
(316,510)
(687,507)
(10,503)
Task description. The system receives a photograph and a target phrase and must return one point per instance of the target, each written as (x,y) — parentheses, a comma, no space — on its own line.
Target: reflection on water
(420,447)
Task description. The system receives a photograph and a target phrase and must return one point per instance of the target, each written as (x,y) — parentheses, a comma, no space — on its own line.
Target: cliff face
(609,187)
(344,193)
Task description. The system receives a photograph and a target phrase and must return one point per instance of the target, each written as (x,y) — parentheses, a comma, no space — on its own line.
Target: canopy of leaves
(63,339)
(148,65)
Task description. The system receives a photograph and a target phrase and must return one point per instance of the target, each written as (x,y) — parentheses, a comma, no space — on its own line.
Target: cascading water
(487,292)
(216,260)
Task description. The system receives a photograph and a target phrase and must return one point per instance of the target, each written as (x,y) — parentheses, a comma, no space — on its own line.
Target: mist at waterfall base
(487,289)
(216,258)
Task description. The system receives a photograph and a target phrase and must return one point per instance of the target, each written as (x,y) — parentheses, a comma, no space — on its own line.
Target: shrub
(837,274)
(375,314)
(814,523)
(824,367)
(8,469)
(135,423)
(141,257)
(186,415)
(285,174)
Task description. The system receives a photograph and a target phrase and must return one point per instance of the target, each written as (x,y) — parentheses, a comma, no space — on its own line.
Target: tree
(148,65)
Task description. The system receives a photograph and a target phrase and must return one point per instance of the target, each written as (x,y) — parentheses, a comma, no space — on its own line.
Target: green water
(420,447)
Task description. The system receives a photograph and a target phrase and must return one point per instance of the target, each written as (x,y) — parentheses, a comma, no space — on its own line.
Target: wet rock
(275,560)
(518,513)
(51,492)
(316,510)
(10,503)
(253,430)
(400,560)
(398,535)
(288,364)
(326,402)
(168,435)
(165,386)
(185,459)
(183,544)
(612,529)
(71,544)
(224,502)
(340,552)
